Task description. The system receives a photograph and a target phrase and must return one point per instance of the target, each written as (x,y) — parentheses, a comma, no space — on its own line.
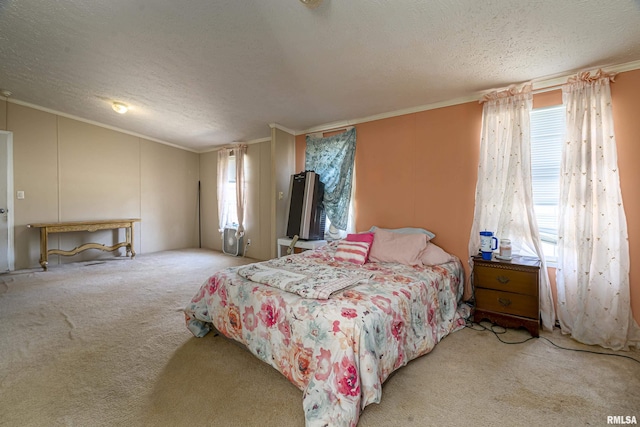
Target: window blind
(547,134)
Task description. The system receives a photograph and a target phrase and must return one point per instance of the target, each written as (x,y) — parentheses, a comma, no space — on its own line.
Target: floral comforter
(338,350)
(307,279)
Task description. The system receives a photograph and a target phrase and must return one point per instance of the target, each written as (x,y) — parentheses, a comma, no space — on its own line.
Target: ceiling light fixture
(119,107)
(311,4)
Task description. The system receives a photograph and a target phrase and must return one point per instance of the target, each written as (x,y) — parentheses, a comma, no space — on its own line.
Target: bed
(340,340)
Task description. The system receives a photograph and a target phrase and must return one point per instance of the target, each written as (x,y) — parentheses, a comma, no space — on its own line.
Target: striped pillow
(355,252)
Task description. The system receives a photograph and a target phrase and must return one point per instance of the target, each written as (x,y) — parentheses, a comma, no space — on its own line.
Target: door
(6,201)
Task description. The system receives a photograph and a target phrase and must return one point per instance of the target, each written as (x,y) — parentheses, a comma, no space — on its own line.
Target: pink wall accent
(420,170)
(625,97)
(547,99)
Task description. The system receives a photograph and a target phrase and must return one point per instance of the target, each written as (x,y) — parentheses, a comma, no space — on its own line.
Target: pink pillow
(396,247)
(362,237)
(355,252)
(434,255)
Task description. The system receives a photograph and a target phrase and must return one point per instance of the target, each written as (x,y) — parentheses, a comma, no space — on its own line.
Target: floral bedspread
(307,279)
(340,350)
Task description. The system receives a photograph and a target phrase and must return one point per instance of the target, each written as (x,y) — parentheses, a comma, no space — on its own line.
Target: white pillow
(434,255)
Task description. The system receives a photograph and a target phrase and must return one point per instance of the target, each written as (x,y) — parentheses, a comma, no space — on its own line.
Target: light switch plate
(20,195)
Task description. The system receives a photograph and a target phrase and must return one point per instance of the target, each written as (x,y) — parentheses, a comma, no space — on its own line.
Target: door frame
(7,137)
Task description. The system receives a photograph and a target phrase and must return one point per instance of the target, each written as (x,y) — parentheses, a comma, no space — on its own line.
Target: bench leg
(130,249)
(44,253)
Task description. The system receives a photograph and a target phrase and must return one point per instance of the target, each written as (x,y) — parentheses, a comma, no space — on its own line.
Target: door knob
(3,210)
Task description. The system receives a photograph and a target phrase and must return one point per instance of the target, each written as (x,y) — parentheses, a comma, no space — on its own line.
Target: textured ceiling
(202,73)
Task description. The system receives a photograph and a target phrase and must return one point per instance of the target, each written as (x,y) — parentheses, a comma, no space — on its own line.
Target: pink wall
(625,95)
(420,170)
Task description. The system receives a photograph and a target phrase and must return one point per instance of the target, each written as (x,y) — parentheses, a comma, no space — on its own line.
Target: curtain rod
(547,88)
(557,82)
(541,86)
(345,128)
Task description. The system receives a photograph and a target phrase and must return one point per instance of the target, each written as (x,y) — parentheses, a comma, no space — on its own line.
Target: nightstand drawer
(521,282)
(507,302)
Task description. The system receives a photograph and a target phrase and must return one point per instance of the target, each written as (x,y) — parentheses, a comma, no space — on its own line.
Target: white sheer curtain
(224,154)
(223,179)
(593,268)
(504,201)
(240,152)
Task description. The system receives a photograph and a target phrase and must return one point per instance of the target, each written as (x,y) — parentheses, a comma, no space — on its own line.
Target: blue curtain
(333,158)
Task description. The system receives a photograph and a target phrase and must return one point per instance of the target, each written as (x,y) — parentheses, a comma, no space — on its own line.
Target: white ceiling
(202,73)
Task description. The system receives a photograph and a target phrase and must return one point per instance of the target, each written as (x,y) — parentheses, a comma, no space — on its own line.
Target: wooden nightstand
(506,292)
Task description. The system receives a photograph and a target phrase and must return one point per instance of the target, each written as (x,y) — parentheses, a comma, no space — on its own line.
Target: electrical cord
(479,328)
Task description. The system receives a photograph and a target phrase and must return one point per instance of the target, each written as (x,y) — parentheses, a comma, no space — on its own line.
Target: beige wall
(3,115)
(71,170)
(168,201)
(98,171)
(209,236)
(35,171)
(260,179)
(283,146)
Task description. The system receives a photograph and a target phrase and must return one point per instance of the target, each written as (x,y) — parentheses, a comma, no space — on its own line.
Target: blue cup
(488,244)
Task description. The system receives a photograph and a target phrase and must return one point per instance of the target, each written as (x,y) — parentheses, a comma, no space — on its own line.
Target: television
(305,209)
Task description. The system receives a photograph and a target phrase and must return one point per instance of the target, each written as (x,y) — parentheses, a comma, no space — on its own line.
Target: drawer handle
(504,302)
(503,279)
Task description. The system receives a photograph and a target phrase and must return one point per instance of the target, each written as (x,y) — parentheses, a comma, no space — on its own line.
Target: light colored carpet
(104,344)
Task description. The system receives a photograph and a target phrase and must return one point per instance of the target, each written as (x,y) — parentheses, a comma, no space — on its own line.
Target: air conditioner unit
(231,244)
(305,210)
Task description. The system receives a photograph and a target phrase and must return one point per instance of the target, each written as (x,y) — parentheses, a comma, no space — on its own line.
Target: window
(230,193)
(547,133)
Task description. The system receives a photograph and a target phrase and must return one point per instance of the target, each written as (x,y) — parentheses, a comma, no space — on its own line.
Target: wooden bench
(65,227)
